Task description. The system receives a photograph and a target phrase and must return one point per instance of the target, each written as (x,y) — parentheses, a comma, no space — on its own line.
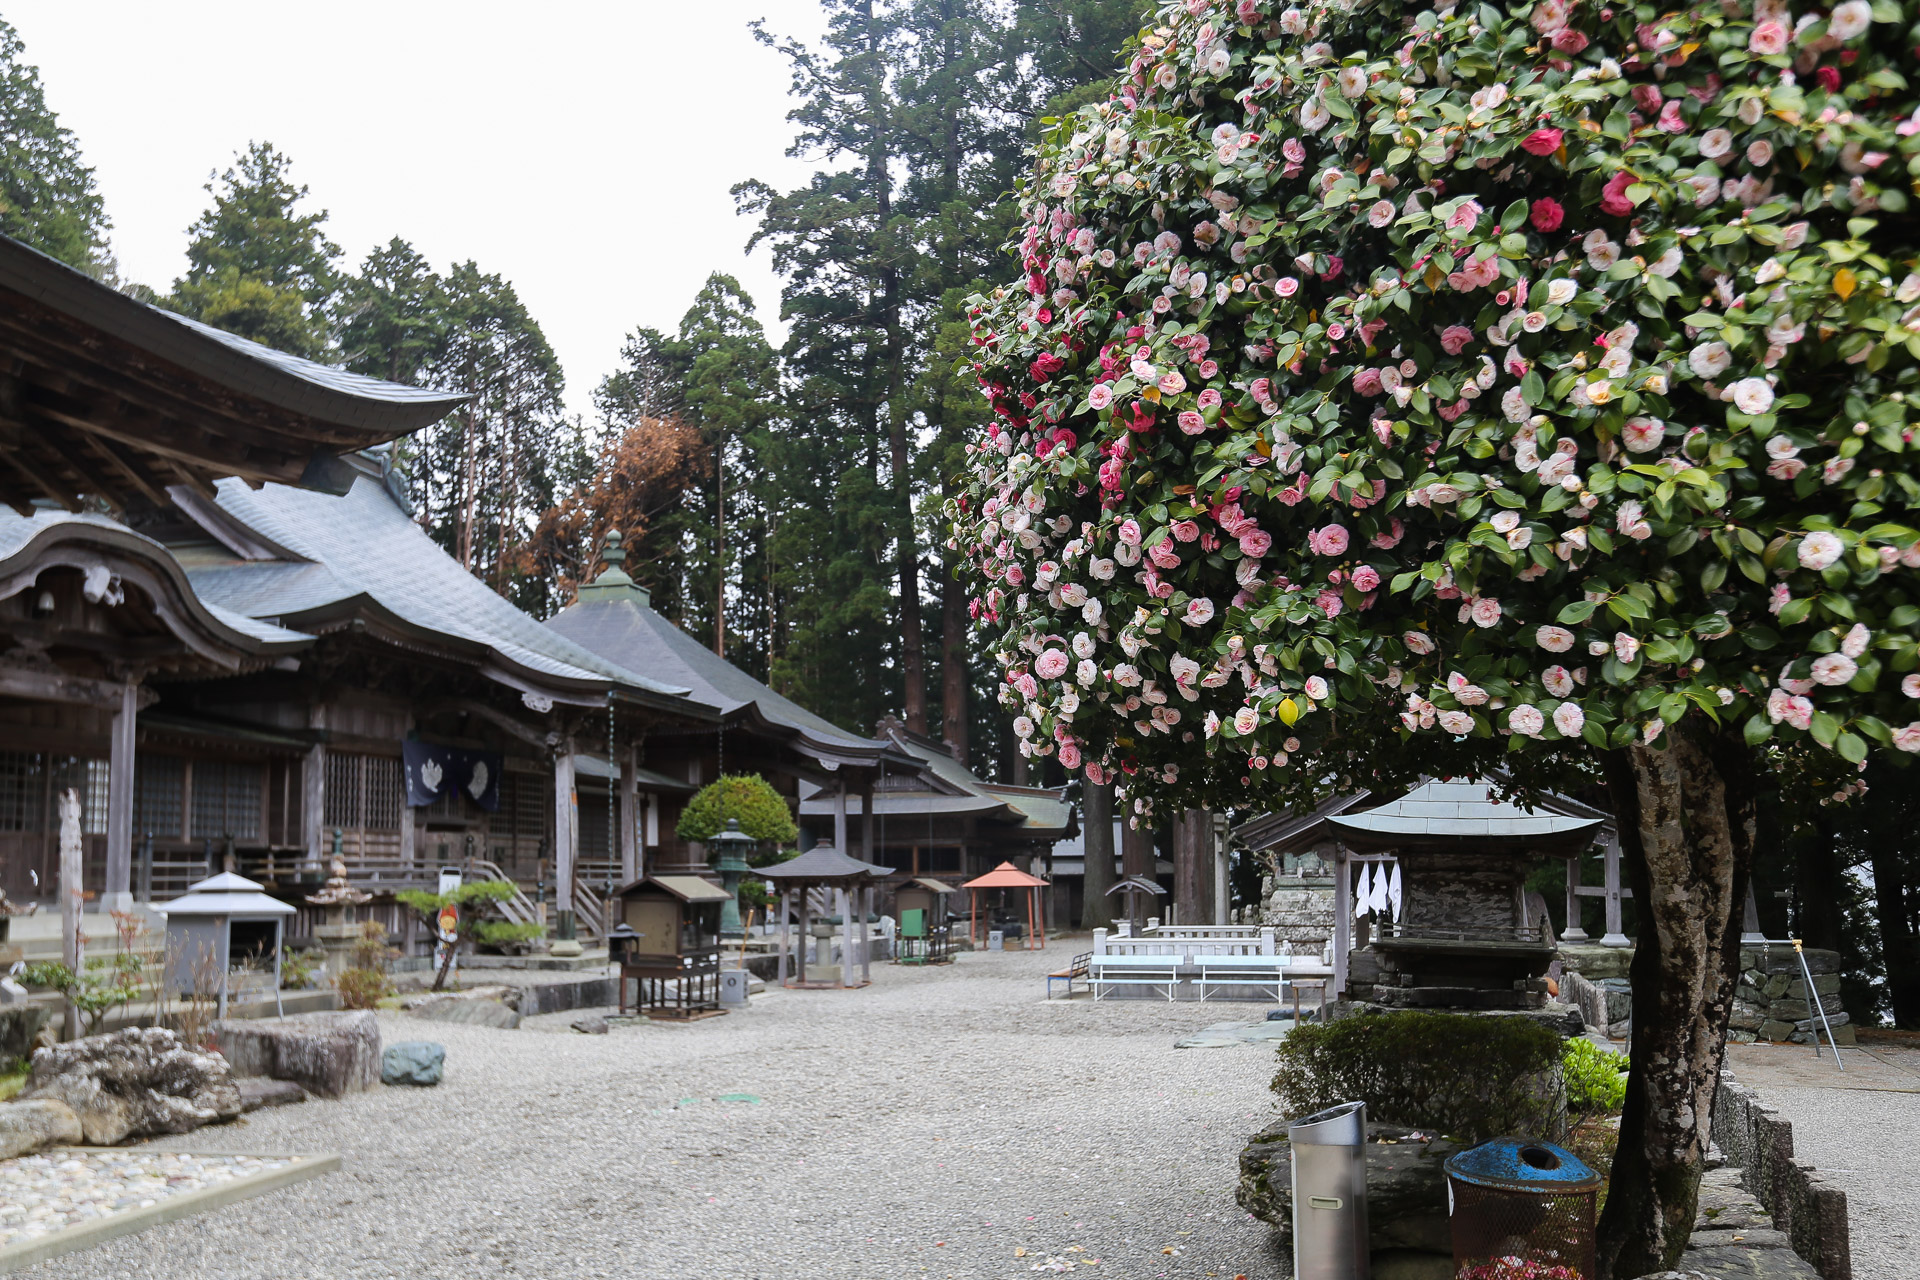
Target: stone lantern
(341,929)
(731,847)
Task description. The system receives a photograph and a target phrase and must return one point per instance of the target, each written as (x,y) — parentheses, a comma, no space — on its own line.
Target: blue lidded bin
(1522,1210)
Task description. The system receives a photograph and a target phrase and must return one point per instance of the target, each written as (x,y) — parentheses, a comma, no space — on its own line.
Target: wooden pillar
(1614,937)
(840,814)
(846,937)
(806,933)
(1191,901)
(629,821)
(1573,932)
(118,895)
(1222,868)
(786,935)
(72,895)
(565,839)
(865,898)
(313,803)
(1342,918)
(866,823)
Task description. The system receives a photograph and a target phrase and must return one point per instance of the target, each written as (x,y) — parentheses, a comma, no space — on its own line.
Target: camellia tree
(1396,390)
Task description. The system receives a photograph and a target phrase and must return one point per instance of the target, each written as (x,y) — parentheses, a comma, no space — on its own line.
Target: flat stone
(413,1062)
(135,1083)
(1721,1236)
(26,1127)
(1406,1187)
(1776,1031)
(471,1013)
(590,1026)
(328,1054)
(1409,1264)
(565,947)
(257,1092)
(1745,1262)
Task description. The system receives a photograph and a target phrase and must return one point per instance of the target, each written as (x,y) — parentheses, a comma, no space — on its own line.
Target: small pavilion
(1138,895)
(1008,876)
(810,884)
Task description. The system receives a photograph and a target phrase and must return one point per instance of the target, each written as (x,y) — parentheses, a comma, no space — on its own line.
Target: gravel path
(935,1124)
(1865,1142)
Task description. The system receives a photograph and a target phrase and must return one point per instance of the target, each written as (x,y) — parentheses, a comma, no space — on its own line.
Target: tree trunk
(1192,902)
(1687,828)
(1096,827)
(1019,769)
(1899,948)
(953,663)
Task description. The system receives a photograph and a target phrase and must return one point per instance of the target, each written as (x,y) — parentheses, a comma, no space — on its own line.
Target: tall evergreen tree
(392,318)
(257,266)
(47,194)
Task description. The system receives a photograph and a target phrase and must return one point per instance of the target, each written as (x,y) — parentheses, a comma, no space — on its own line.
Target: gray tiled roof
(1458,809)
(362,545)
(623,628)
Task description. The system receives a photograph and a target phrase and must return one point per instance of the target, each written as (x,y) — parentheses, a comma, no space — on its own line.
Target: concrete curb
(86,1235)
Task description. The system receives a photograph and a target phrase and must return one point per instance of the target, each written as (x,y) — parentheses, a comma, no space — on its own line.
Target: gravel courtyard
(937,1123)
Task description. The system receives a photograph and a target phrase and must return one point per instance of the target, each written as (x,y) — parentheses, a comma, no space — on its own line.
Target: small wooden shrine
(667,940)
(925,932)
(1463,937)
(811,887)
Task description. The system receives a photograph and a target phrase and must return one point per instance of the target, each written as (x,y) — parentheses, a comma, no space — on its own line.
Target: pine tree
(47,194)
(256,266)
(393,321)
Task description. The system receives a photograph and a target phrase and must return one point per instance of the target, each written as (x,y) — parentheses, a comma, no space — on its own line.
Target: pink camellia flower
(1779,598)
(1526,719)
(1625,647)
(1558,679)
(1100,396)
(1768,38)
(1185,530)
(1015,575)
(1172,383)
(1911,686)
(1464,216)
(1613,196)
(1366,578)
(1255,543)
(1245,721)
(1547,214)
(1643,435)
(1854,643)
(1457,723)
(1209,399)
(1163,554)
(1569,719)
(1455,338)
(1834,669)
(1330,603)
(1316,688)
(1568,40)
(1908,737)
(1192,422)
(1485,611)
(1027,685)
(1051,664)
(1070,755)
(1390,537)
(1417,641)
(1328,541)
(1542,142)
(1800,712)
(1367,382)
(1199,612)
(1130,532)
(1286,286)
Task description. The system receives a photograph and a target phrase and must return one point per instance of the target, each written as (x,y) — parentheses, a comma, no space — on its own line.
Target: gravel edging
(936,1123)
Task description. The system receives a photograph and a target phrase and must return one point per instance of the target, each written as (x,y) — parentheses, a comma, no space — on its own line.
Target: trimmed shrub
(761,811)
(1469,1078)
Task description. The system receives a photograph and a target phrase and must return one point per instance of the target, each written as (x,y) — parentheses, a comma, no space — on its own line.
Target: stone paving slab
(1222,1035)
(71,1198)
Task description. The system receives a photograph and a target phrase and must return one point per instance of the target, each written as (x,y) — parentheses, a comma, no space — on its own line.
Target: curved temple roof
(1462,811)
(108,397)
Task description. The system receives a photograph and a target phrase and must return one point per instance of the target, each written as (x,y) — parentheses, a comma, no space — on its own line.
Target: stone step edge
(85,1235)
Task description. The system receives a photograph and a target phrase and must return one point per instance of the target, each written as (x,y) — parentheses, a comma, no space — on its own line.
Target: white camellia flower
(1569,719)
(1458,723)
(1562,291)
(1417,641)
(1709,359)
(1715,143)
(1086,673)
(1316,688)
(1526,719)
(1818,550)
(1558,679)
(1752,395)
(1023,726)
(1245,721)
(1834,669)
(1554,639)
(1849,19)
(1854,643)
(1353,81)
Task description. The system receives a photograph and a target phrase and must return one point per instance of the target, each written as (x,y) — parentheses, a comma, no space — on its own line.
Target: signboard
(434,772)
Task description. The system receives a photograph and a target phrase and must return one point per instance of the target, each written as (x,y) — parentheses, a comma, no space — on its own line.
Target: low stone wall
(1299,908)
(1773,1002)
(1811,1211)
(1606,1005)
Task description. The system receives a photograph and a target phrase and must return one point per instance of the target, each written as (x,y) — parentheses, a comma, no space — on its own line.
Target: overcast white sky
(582,150)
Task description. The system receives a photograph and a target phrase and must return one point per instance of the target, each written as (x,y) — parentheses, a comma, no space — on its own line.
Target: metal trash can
(1522,1210)
(733,986)
(996,940)
(1330,1193)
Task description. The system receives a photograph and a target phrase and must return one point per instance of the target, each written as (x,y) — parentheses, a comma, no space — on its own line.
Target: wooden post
(118,895)
(1342,919)
(846,937)
(865,897)
(1613,938)
(629,823)
(1222,869)
(565,846)
(1573,932)
(313,804)
(866,823)
(72,895)
(840,815)
(786,937)
(806,933)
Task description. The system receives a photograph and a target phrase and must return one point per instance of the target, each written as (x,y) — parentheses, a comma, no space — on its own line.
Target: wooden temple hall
(221,625)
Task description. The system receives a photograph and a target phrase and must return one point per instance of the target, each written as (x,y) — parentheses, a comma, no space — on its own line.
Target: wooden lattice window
(23,791)
(364,793)
(159,797)
(226,800)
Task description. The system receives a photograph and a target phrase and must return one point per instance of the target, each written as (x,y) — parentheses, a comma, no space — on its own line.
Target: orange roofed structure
(1008,876)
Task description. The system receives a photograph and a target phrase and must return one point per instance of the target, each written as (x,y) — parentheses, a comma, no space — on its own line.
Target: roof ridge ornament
(614,583)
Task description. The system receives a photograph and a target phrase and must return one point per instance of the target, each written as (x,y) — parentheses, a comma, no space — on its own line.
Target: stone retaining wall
(1811,1211)
(1773,1003)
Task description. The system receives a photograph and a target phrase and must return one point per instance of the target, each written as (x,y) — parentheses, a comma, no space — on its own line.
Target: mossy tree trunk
(1686,818)
(1096,825)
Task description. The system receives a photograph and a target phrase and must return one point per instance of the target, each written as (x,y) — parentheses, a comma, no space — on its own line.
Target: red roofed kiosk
(1008,876)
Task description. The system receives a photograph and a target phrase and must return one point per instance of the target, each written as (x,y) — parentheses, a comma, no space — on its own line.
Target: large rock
(135,1083)
(472,1013)
(328,1054)
(413,1062)
(19,1023)
(26,1127)
(1406,1187)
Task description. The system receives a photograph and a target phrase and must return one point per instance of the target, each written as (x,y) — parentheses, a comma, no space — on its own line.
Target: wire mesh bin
(1521,1210)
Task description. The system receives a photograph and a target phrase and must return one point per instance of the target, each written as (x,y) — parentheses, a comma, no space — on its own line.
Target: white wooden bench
(1242,971)
(1133,971)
